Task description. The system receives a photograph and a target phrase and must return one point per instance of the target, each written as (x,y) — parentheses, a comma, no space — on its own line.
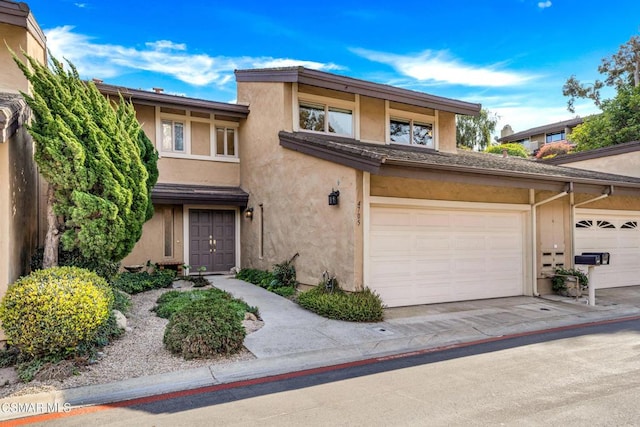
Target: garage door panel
(445,255)
(622,241)
(432,221)
(474,222)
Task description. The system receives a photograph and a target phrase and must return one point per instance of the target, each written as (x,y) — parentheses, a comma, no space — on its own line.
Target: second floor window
(555,137)
(172,136)
(325,118)
(198,135)
(410,132)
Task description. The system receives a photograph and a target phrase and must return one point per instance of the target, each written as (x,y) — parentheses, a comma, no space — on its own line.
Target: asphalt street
(584,376)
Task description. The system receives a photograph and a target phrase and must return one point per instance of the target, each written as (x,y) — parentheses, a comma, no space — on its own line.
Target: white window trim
(327,102)
(391,113)
(187,119)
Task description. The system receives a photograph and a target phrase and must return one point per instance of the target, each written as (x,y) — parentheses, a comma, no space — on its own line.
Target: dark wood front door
(212,239)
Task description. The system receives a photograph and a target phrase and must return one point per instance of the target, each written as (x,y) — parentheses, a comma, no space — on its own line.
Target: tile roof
(198,194)
(374,157)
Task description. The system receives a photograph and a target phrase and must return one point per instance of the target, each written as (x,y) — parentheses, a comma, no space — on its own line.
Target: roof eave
(516,175)
(362,87)
(151,98)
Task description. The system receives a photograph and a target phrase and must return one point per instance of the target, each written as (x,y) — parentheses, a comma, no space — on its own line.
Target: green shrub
(133,283)
(172,302)
(284,274)
(205,328)
(558,282)
(363,306)
(121,301)
(105,269)
(52,311)
(513,149)
(257,277)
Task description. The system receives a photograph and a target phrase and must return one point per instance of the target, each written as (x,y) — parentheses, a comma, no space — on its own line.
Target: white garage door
(427,255)
(616,233)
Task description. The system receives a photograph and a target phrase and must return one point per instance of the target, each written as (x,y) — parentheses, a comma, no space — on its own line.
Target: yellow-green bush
(513,149)
(51,311)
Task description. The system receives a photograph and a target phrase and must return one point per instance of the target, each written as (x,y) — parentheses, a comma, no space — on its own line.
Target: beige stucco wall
(438,190)
(11,78)
(621,164)
(447,132)
(202,172)
(291,190)
(372,126)
(18,39)
(151,246)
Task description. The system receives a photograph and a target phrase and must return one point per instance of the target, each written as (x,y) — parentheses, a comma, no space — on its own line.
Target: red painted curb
(296,374)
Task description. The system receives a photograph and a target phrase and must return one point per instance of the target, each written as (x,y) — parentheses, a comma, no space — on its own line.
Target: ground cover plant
(133,283)
(281,280)
(362,306)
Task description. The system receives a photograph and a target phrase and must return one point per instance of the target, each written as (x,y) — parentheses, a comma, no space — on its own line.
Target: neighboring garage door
(617,233)
(429,255)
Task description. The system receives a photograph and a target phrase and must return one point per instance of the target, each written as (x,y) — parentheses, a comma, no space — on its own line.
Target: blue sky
(512,56)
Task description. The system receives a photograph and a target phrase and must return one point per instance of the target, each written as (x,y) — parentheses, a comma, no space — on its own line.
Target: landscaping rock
(121,321)
(250,316)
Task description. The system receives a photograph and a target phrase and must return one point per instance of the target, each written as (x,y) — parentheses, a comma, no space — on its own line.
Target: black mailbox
(587,259)
(604,257)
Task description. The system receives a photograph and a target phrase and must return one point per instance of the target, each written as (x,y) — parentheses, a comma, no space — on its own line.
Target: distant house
(533,139)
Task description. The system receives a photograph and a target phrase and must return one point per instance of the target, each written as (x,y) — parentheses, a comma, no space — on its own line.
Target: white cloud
(80,5)
(104,61)
(437,66)
(166,44)
(544,4)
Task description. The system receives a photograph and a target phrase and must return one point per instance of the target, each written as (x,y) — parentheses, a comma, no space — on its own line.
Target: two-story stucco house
(358,178)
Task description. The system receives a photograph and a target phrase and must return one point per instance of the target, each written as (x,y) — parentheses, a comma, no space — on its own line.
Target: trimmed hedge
(172,302)
(513,149)
(52,311)
(363,306)
(205,328)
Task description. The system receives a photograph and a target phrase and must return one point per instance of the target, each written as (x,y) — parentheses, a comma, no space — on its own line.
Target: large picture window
(555,137)
(325,118)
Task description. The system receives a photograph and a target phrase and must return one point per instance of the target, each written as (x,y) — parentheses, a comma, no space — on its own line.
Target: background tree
(99,164)
(619,122)
(622,70)
(475,131)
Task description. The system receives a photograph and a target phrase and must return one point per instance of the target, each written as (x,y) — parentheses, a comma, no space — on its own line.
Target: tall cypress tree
(99,164)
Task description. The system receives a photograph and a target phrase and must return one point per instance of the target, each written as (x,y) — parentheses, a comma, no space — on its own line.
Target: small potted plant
(563,277)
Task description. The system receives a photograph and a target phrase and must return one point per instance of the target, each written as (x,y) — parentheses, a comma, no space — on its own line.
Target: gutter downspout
(534,231)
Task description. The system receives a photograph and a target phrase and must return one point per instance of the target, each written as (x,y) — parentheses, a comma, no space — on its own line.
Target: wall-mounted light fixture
(333,197)
(248,213)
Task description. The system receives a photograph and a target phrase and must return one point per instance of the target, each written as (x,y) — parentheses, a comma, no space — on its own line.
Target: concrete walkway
(294,339)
